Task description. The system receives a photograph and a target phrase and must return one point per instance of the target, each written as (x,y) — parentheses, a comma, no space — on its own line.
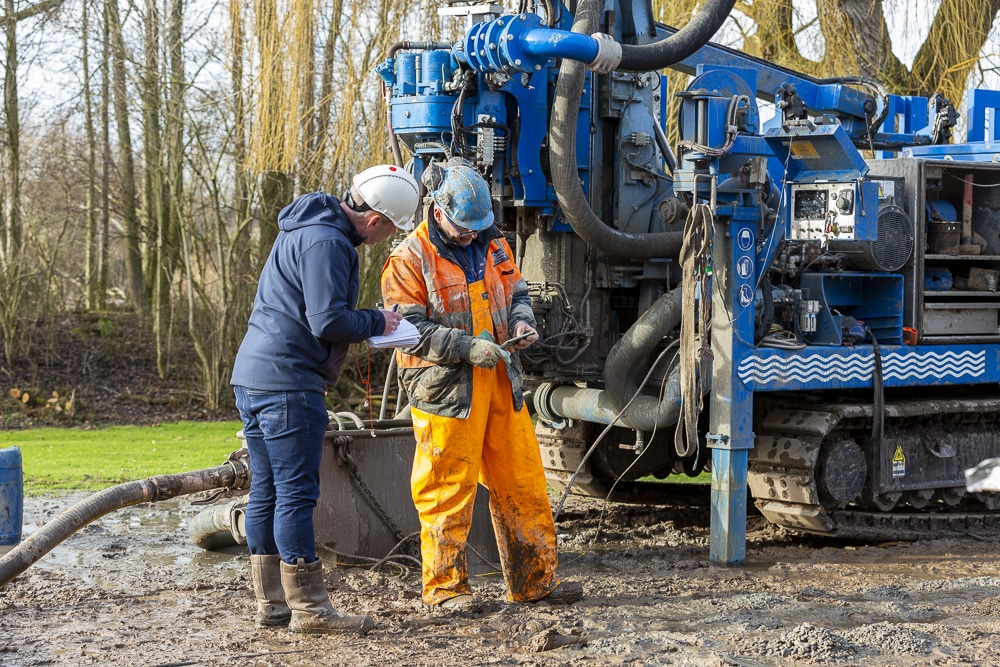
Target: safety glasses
(461,231)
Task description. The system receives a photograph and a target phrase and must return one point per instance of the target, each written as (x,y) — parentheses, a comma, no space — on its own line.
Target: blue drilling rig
(806,305)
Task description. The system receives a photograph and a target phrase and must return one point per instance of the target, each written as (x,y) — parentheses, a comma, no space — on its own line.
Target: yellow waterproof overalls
(495,446)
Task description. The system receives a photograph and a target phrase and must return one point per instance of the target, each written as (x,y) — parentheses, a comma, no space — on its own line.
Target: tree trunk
(133,251)
(276,191)
(102,280)
(241,204)
(956,38)
(155,186)
(774,39)
(11,228)
(326,93)
(174,135)
(858,42)
(276,184)
(311,162)
(91,270)
(239,263)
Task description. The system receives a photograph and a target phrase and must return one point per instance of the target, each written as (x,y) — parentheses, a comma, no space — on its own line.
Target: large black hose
(234,474)
(680,45)
(646,412)
(566,174)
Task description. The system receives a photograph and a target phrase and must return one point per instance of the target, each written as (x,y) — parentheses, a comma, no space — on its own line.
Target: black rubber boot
(312,612)
(266,576)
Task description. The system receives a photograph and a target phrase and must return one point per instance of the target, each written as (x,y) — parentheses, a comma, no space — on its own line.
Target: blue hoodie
(303,318)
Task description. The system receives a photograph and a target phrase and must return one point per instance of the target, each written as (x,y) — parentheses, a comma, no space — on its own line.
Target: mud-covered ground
(131,590)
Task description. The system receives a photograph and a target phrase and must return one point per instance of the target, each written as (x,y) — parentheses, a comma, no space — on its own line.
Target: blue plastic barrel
(11,495)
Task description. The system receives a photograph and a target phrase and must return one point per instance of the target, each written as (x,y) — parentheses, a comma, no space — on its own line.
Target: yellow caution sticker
(898,462)
(803,150)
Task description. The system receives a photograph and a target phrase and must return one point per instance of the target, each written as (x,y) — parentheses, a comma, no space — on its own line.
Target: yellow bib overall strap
(479,305)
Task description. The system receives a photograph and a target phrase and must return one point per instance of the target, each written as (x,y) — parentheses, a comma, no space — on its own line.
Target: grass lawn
(91,460)
(69,459)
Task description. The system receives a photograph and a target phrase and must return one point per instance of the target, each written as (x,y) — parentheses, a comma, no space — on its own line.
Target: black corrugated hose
(565,112)
(680,45)
(566,174)
(646,413)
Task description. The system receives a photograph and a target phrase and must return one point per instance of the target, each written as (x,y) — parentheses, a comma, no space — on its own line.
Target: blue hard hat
(464,197)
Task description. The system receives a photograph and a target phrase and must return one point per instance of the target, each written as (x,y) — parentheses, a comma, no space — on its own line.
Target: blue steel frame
(739,368)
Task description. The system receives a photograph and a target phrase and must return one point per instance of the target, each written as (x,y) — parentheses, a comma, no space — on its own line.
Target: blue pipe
(559,44)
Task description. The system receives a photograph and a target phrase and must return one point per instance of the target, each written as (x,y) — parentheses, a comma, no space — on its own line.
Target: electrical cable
(732,131)
(778,337)
(607,498)
(878,389)
(974,184)
(586,456)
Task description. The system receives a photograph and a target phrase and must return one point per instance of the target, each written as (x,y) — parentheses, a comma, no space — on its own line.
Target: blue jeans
(284,433)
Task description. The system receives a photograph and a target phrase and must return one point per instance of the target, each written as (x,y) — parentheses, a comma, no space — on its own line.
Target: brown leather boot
(312,612)
(266,576)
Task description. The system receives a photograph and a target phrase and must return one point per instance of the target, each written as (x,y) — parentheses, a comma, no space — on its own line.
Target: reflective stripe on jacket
(422,279)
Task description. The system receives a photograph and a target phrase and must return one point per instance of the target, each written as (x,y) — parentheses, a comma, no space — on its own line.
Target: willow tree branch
(34,10)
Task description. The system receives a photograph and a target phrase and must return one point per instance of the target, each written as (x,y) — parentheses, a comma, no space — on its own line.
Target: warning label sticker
(898,463)
(803,150)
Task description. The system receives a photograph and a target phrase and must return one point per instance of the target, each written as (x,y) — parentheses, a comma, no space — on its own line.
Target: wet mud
(130,589)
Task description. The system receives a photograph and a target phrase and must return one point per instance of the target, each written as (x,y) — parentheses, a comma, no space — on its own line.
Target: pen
(395,308)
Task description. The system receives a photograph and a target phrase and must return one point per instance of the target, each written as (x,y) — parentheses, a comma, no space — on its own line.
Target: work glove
(487,354)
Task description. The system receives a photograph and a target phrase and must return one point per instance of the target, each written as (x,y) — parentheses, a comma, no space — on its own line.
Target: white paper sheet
(405,335)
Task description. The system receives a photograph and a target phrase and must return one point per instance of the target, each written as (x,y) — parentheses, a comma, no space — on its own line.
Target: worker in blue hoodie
(301,327)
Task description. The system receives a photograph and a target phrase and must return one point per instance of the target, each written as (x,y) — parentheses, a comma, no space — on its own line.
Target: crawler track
(786,475)
(797,446)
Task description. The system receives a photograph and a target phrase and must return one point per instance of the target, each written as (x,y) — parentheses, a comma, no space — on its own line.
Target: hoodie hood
(317,208)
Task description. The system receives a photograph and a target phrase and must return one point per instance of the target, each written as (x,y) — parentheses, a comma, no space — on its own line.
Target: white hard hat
(390,190)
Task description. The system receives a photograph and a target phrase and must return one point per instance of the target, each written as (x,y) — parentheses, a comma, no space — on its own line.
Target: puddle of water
(156,534)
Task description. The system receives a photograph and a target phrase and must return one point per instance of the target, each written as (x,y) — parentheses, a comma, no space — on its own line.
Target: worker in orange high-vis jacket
(455,279)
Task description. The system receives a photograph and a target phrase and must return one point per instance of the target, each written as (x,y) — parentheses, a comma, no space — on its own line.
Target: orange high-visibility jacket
(428,287)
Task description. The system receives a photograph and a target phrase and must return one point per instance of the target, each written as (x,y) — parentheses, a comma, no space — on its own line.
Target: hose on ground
(234,474)
(219,526)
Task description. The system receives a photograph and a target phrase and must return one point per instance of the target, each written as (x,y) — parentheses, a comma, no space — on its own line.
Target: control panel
(823,211)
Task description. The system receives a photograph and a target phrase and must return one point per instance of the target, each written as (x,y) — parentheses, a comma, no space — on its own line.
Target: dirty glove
(487,354)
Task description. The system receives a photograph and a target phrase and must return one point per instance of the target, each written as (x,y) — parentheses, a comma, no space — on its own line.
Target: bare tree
(156,271)
(102,281)
(856,41)
(12,149)
(136,281)
(92,269)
